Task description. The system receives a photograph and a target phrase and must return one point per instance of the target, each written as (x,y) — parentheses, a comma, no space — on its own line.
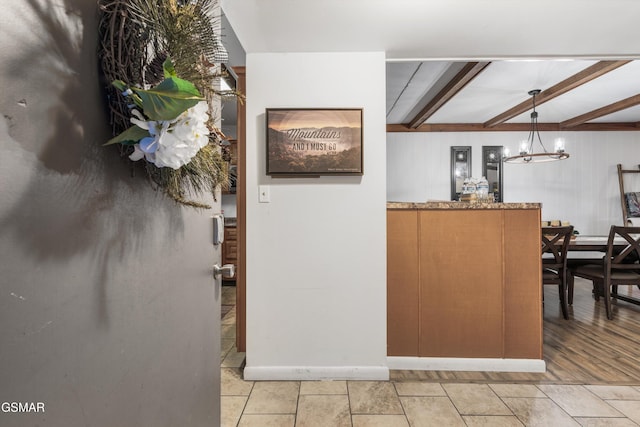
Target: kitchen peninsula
(464,286)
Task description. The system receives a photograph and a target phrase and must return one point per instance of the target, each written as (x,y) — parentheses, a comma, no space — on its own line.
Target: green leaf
(129,137)
(122,87)
(169,70)
(169,99)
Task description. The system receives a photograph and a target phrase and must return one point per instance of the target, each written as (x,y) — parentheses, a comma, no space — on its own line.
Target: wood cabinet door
(461,283)
(523,284)
(230,247)
(403,321)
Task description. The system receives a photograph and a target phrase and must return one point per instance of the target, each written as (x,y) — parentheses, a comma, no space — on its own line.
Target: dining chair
(620,265)
(572,265)
(555,241)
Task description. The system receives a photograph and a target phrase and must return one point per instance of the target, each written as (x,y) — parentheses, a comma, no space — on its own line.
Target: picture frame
(492,170)
(314,141)
(460,169)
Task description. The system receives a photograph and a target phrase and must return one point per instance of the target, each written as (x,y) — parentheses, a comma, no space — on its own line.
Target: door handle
(227,271)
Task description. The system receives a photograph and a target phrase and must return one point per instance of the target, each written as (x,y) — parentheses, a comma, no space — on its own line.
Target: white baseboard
(381,373)
(466,364)
(311,373)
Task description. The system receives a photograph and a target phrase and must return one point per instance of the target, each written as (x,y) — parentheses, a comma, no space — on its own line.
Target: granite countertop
(461,205)
(229,222)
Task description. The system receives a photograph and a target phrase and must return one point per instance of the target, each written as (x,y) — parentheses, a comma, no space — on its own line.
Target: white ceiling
(426,41)
(440,29)
(504,84)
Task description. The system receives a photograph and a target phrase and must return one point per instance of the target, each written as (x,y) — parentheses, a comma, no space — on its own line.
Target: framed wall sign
(314,141)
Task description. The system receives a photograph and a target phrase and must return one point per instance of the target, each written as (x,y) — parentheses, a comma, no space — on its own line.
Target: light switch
(264,193)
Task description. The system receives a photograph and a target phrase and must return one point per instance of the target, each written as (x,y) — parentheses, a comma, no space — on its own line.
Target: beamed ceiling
(576,95)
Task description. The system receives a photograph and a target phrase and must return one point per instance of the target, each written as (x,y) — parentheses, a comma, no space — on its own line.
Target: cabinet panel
(461,292)
(523,288)
(230,247)
(402,283)
(230,233)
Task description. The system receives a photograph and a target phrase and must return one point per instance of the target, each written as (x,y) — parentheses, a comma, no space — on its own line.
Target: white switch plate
(264,192)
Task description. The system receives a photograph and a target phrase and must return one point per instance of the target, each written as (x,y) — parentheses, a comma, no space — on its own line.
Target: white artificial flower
(137,154)
(173,143)
(139,120)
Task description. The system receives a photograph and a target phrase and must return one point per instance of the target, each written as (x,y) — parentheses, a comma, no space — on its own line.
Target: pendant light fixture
(527,155)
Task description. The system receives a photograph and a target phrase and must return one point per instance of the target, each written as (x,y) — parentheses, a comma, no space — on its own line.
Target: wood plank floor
(586,349)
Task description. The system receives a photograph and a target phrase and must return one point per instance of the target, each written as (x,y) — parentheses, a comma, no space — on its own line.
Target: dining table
(585,243)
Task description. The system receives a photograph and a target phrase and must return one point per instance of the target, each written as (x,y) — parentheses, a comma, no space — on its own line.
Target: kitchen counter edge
(461,205)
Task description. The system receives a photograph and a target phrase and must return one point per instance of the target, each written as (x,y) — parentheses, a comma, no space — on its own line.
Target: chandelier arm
(532,131)
(544,149)
(534,122)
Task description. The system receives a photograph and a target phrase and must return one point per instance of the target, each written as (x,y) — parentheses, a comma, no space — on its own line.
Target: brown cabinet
(403,283)
(230,247)
(464,283)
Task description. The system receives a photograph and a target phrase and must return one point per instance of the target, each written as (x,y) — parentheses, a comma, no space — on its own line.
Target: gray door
(109,313)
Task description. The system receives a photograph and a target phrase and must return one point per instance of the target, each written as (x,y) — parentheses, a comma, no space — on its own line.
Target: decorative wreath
(161,60)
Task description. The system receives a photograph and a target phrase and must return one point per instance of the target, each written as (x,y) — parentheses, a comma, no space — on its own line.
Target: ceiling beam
(464,76)
(632,101)
(512,127)
(590,73)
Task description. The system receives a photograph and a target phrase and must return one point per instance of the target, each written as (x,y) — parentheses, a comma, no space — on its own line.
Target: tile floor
(397,403)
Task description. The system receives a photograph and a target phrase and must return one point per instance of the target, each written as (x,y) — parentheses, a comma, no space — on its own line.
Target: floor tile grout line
(295,417)
(404,410)
(556,403)
(508,407)
(349,400)
(549,398)
(603,400)
(453,403)
(244,407)
(589,391)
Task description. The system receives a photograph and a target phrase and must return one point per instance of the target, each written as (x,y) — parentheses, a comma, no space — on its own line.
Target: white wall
(582,189)
(316,255)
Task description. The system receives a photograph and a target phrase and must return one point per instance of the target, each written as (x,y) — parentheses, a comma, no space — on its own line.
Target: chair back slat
(628,257)
(555,241)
